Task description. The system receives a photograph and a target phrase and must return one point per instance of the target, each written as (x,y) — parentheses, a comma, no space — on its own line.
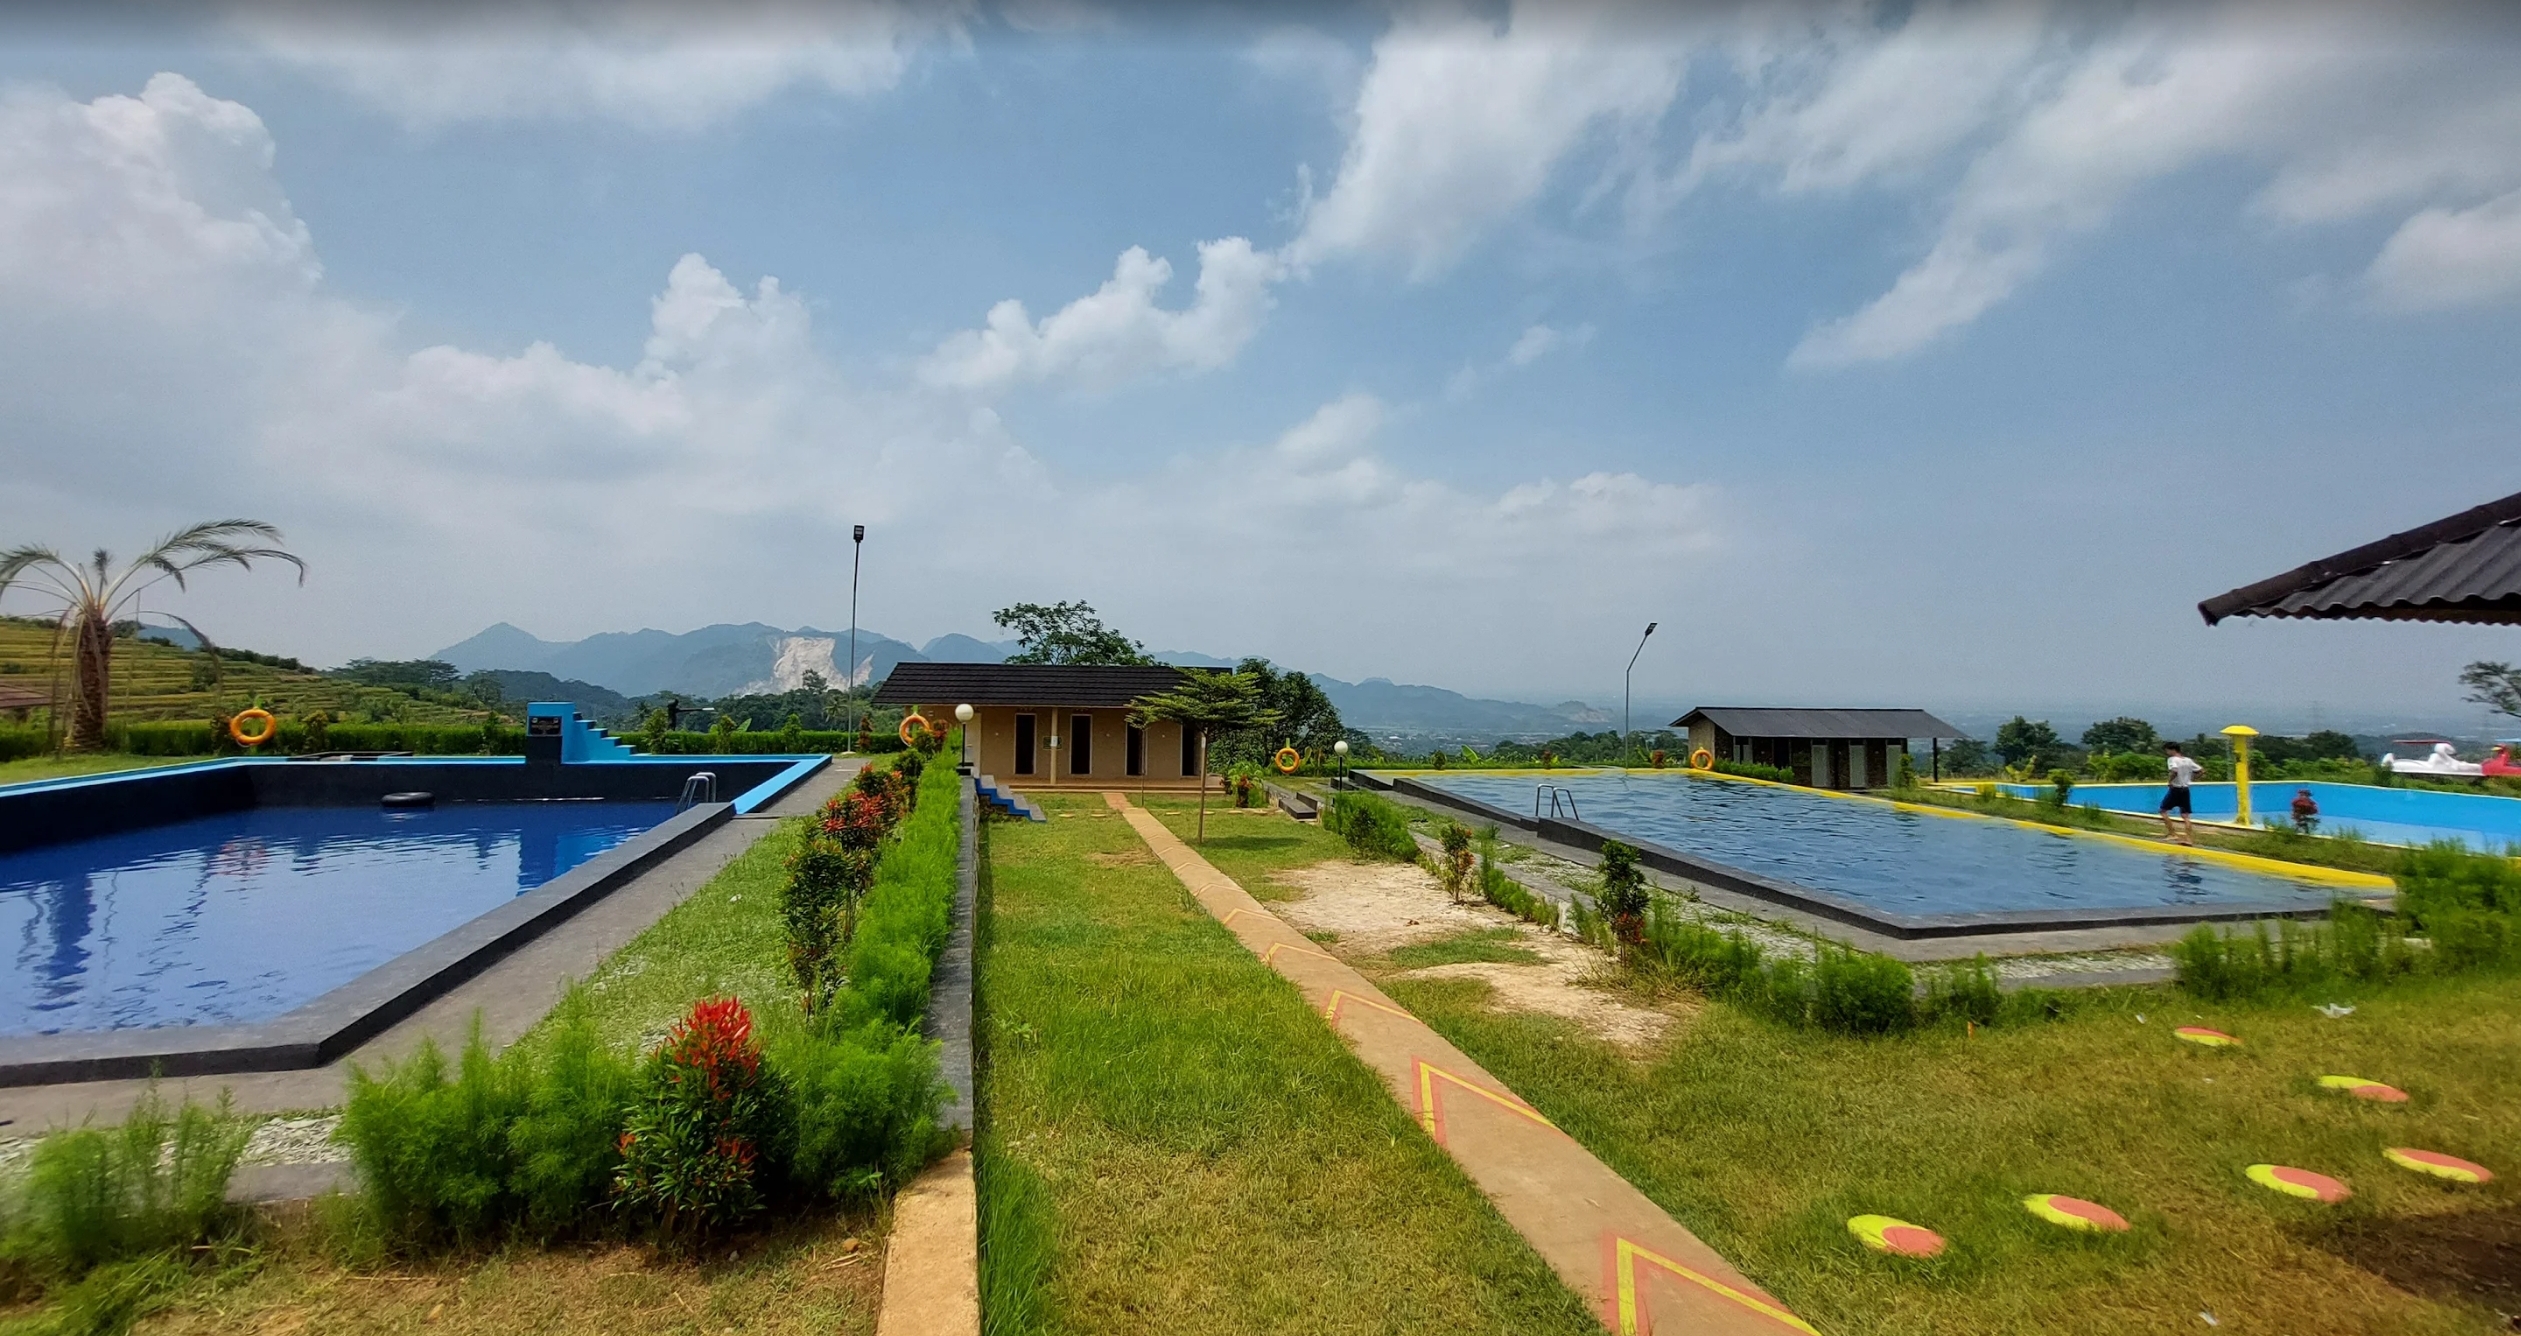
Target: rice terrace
(1928,907)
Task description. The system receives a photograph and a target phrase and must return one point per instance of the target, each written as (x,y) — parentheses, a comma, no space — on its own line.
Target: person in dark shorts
(2306,811)
(2177,796)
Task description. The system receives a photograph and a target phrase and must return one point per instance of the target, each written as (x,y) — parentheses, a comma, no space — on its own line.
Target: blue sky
(1909,354)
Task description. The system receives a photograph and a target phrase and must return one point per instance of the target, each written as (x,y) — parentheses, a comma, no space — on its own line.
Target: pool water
(1893,861)
(243,916)
(2482,821)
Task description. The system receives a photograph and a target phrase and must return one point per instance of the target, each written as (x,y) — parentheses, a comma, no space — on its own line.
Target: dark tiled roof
(1744,722)
(2463,569)
(1092,685)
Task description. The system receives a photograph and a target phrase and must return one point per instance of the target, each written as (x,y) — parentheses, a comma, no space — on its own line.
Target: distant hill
(719,660)
(963,649)
(521,685)
(155,680)
(1381,706)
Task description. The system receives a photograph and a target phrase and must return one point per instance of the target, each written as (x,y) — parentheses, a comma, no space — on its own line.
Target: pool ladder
(1555,796)
(701,786)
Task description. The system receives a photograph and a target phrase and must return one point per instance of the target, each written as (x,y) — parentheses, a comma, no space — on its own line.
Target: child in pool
(2306,811)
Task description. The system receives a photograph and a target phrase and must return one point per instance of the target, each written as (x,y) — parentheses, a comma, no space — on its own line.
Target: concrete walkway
(1639,1269)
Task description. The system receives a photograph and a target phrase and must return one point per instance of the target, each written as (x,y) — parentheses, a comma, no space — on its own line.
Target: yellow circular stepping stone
(2299,1183)
(1886,1234)
(2363,1089)
(2075,1213)
(2439,1165)
(2199,1034)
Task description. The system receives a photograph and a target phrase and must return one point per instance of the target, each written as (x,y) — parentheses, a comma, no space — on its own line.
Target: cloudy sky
(1910,353)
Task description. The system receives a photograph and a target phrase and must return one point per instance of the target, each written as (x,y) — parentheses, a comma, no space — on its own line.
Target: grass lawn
(1188,1144)
(81,763)
(1765,1140)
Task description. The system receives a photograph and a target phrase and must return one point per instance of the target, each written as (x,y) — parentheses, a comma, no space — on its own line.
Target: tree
(400,674)
(2018,740)
(2123,734)
(1209,703)
(1066,633)
(2496,685)
(93,595)
(1623,898)
(1305,717)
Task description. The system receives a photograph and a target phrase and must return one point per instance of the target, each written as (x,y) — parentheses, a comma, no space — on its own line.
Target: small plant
(691,1152)
(1658,757)
(1966,992)
(1456,867)
(659,723)
(316,726)
(722,735)
(1904,771)
(1374,827)
(1854,992)
(99,1195)
(1623,898)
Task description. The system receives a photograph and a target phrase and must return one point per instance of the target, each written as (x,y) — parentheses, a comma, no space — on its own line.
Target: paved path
(1638,1268)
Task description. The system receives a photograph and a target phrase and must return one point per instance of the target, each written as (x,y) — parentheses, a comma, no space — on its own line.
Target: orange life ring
(1287,760)
(1702,759)
(915,718)
(269,730)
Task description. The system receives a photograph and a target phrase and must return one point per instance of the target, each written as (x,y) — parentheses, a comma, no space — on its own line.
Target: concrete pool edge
(1821,904)
(317,1033)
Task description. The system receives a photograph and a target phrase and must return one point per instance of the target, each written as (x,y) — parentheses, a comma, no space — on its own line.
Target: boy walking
(2177,795)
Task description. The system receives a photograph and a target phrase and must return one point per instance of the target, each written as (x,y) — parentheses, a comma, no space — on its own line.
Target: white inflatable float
(2439,761)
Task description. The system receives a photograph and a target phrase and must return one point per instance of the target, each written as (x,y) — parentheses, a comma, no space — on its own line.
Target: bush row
(2456,912)
(1374,826)
(1840,990)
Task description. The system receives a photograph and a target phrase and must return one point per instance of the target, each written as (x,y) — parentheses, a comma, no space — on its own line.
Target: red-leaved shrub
(694,1135)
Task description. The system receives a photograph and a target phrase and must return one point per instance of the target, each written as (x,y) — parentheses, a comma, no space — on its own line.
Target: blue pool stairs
(1008,800)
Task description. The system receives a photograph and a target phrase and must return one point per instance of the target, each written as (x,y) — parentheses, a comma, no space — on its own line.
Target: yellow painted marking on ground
(1429,1115)
(1339,995)
(1270,957)
(1627,1253)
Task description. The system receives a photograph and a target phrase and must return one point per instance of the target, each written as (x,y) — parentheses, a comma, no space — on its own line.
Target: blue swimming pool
(1893,861)
(2481,821)
(242,916)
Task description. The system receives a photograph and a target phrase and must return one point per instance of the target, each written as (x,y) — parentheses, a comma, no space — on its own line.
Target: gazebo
(2466,568)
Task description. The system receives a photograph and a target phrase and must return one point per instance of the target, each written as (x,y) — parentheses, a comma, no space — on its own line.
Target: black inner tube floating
(411,799)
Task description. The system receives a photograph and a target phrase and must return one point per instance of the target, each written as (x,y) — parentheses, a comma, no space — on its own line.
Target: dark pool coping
(1836,908)
(324,1029)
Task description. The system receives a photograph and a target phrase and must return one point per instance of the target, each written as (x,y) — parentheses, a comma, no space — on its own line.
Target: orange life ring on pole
(1287,759)
(269,730)
(1702,759)
(924,730)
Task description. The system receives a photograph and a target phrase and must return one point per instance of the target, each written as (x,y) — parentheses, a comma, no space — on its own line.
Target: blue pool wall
(2487,820)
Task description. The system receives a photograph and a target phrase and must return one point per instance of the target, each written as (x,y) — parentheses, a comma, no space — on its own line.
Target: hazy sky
(1915,353)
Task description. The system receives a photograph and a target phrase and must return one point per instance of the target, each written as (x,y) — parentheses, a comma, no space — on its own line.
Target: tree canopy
(1067,632)
(2495,685)
(2123,734)
(1209,704)
(2019,739)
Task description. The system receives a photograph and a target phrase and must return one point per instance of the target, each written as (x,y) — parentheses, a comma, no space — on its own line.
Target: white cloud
(2452,257)
(1462,121)
(1539,341)
(1117,332)
(653,66)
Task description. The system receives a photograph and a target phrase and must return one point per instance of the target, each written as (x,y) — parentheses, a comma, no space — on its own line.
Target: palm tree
(94,595)
(1212,703)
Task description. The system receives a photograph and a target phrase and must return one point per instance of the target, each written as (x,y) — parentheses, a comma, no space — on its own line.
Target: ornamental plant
(693,1145)
(1458,863)
(1623,899)
(828,877)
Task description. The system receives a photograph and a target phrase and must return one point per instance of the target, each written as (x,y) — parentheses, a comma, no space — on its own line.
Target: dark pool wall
(87,809)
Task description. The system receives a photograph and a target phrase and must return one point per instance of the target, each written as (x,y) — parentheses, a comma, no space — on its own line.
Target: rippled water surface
(246,915)
(1898,861)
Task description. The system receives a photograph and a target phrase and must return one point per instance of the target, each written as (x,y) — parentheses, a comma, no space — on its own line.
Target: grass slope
(154,680)
(1765,1140)
(1203,1152)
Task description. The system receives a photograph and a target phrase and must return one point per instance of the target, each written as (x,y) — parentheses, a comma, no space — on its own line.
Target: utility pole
(1624,749)
(849,675)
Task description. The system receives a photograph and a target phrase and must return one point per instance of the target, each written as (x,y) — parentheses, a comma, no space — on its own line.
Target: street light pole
(849,675)
(1624,748)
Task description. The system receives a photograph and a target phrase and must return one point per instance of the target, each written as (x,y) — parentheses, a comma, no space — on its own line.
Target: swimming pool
(2481,821)
(1900,863)
(241,916)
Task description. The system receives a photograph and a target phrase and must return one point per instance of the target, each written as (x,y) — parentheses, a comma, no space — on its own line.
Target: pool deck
(509,996)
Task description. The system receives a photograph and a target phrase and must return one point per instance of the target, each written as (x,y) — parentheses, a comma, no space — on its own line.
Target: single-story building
(1827,749)
(1047,725)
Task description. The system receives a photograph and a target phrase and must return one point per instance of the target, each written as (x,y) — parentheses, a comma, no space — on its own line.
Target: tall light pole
(849,675)
(1623,694)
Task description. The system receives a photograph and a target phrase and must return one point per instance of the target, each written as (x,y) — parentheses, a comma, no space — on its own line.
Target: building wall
(993,748)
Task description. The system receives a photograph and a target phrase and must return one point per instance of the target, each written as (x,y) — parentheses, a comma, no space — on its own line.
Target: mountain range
(732,658)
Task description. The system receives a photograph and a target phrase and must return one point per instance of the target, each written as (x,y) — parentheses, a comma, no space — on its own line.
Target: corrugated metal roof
(2466,568)
(1755,722)
(1093,685)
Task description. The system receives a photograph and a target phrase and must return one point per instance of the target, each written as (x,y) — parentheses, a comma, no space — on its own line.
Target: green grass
(1765,1140)
(1194,1149)
(1496,945)
(1251,849)
(80,763)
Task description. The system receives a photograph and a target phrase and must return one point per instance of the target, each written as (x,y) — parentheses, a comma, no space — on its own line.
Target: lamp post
(1341,747)
(963,716)
(849,675)
(1624,757)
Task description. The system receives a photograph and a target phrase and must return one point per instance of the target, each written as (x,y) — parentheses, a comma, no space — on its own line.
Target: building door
(1137,751)
(1080,744)
(1190,751)
(1859,774)
(1024,744)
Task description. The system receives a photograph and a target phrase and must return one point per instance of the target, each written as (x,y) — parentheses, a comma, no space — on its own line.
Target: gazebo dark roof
(1751,722)
(1092,685)
(2463,569)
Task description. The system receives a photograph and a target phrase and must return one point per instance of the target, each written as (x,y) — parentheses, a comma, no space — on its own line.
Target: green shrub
(1720,964)
(1754,770)
(691,1150)
(157,1182)
(1374,827)
(1623,898)
(1855,992)
(908,914)
(864,1108)
(567,1139)
(1964,992)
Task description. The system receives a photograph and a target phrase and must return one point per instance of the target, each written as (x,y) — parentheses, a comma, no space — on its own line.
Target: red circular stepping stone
(1888,1234)
(2301,1183)
(2075,1213)
(2439,1165)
